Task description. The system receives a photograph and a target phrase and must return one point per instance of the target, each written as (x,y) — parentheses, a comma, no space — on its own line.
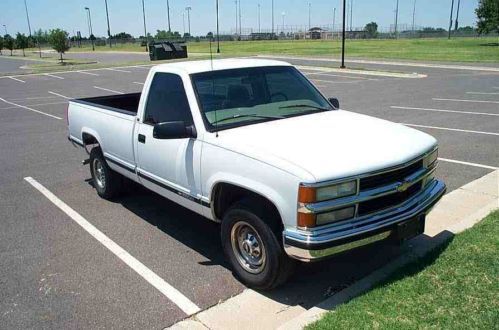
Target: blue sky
(126,15)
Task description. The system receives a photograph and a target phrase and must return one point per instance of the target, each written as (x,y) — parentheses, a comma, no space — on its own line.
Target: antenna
(213,89)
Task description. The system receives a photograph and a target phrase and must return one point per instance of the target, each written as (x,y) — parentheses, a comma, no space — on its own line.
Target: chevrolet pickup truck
(254,145)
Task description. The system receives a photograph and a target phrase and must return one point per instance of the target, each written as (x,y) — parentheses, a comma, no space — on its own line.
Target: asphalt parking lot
(55,275)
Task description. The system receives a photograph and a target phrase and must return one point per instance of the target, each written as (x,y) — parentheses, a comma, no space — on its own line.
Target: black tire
(108,183)
(277,266)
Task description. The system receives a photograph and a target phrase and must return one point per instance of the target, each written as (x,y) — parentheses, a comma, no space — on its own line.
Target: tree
(122,35)
(372,30)
(1,44)
(209,35)
(21,41)
(9,42)
(488,16)
(58,39)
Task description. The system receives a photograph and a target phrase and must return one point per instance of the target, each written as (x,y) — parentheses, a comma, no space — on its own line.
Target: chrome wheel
(99,175)
(248,247)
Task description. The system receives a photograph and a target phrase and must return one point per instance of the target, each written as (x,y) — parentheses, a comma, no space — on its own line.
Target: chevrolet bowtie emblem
(403,186)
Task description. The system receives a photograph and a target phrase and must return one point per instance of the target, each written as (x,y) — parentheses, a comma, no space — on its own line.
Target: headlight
(318,194)
(431,159)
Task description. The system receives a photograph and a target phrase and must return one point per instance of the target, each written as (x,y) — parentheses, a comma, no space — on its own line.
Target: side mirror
(173,130)
(334,102)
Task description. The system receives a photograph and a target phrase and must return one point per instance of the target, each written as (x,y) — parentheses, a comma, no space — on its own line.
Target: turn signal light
(306,194)
(306,220)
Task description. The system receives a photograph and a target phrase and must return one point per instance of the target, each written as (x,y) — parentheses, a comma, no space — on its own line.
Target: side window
(167,100)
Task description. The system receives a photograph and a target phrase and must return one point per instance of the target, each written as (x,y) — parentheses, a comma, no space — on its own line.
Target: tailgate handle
(142,138)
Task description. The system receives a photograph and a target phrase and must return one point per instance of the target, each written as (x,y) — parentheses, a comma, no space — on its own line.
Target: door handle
(142,138)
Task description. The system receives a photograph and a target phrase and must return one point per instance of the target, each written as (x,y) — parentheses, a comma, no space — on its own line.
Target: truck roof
(220,64)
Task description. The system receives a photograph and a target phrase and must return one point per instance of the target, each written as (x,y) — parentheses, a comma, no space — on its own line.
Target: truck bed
(124,103)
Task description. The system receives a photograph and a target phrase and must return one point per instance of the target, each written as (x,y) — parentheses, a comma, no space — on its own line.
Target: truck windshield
(238,97)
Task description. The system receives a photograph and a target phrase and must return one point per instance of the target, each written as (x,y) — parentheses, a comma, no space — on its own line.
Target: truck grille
(389,177)
(378,204)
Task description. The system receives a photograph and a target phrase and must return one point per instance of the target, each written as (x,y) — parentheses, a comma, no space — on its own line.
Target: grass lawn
(454,288)
(438,49)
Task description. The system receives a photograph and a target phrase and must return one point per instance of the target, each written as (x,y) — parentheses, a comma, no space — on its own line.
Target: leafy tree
(162,34)
(1,44)
(209,35)
(9,42)
(488,16)
(372,30)
(21,41)
(58,39)
(122,35)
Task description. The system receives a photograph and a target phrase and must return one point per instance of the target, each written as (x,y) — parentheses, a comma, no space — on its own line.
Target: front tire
(107,183)
(252,247)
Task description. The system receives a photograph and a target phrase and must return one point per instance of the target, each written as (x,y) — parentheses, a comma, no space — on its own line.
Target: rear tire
(253,247)
(107,182)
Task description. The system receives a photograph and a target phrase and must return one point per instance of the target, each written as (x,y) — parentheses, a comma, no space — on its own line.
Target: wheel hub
(247,247)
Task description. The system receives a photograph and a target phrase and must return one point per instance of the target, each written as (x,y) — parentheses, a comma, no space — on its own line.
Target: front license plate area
(410,228)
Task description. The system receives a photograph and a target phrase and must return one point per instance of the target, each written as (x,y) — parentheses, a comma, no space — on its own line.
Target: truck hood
(327,145)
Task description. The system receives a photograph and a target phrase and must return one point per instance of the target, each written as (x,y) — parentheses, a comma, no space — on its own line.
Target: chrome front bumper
(308,245)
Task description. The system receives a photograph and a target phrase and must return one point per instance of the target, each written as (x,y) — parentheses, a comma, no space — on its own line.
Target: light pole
(27,17)
(309,16)
(451,11)
(272,19)
(108,28)
(334,20)
(218,33)
(5,28)
(396,19)
(168,14)
(90,27)
(414,18)
(457,15)
(145,28)
(259,26)
(240,20)
(343,36)
(188,9)
(183,23)
(351,15)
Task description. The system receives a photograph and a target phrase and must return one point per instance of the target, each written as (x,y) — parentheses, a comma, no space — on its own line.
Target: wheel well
(89,139)
(225,195)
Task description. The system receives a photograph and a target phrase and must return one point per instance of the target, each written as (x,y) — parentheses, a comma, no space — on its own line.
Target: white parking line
(472,101)
(118,70)
(19,80)
(88,73)
(27,108)
(60,95)
(451,129)
(186,305)
(482,93)
(34,105)
(138,83)
(53,76)
(443,110)
(108,90)
(468,164)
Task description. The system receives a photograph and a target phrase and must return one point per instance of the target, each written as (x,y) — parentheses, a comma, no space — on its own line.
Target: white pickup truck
(252,144)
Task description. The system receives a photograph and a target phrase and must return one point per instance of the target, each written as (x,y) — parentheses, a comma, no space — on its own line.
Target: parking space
(59,274)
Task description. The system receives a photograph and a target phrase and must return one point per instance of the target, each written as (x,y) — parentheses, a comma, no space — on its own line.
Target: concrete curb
(457,211)
(364,72)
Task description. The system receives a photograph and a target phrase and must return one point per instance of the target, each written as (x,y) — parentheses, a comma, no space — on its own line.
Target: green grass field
(454,50)
(456,287)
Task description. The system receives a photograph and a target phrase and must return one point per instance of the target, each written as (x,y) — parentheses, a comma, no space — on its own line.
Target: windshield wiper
(304,106)
(253,115)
